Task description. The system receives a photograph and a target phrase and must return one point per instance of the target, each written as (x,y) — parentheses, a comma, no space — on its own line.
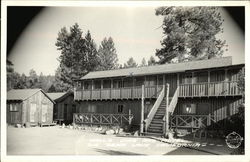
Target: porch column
(167,111)
(142,111)
(208,81)
(82,87)
(101,89)
(226,84)
(92,88)
(192,87)
(111,87)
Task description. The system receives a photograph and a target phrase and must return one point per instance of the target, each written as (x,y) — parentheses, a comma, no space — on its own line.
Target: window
(120,108)
(106,84)
(189,108)
(13,107)
(87,85)
(97,84)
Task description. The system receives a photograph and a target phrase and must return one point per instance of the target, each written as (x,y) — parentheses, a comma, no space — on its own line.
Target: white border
(118,4)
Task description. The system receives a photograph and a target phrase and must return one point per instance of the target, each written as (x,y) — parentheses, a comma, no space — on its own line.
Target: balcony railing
(118,93)
(223,88)
(102,119)
(229,88)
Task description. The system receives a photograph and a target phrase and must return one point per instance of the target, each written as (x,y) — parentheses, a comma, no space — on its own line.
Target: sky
(135,31)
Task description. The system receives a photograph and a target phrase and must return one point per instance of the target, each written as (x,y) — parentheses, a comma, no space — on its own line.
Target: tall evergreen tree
(151,61)
(78,54)
(107,55)
(190,33)
(130,63)
(143,62)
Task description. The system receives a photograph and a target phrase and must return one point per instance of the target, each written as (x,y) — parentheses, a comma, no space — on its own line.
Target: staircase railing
(152,112)
(174,101)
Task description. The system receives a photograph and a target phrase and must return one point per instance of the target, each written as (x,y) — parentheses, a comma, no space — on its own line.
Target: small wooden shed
(29,107)
(64,106)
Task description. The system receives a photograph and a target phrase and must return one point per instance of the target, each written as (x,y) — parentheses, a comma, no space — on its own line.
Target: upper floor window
(13,107)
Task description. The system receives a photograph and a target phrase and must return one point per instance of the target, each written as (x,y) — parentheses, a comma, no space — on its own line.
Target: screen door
(32,112)
(44,112)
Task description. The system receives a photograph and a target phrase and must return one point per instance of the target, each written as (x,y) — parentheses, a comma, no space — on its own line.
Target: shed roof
(23,94)
(159,69)
(56,95)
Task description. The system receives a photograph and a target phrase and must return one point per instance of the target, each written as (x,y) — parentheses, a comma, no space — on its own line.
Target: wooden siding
(39,101)
(111,107)
(14,117)
(209,82)
(219,108)
(59,109)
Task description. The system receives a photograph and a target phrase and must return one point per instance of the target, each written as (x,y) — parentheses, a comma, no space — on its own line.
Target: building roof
(57,95)
(23,94)
(159,69)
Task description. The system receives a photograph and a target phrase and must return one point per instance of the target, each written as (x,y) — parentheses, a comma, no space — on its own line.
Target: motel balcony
(211,89)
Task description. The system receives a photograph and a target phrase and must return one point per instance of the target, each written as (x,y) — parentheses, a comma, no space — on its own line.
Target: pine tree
(130,63)
(151,61)
(190,33)
(107,55)
(143,62)
(78,54)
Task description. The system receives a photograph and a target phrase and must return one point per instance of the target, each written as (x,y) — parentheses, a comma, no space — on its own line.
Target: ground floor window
(120,108)
(189,108)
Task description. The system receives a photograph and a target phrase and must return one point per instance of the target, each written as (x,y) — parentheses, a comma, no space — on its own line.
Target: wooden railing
(118,93)
(190,121)
(102,119)
(153,110)
(228,88)
(174,101)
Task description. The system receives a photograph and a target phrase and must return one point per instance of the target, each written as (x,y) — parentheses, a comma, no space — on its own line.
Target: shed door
(32,112)
(44,112)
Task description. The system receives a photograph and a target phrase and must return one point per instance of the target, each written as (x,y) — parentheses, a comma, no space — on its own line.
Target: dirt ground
(58,141)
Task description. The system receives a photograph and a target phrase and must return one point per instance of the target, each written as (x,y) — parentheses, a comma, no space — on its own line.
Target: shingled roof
(23,94)
(57,96)
(159,69)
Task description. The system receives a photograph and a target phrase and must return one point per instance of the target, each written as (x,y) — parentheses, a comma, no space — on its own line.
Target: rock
(120,131)
(18,125)
(109,132)
(136,133)
(63,125)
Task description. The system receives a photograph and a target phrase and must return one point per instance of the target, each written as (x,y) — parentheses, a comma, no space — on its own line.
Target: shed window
(120,108)
(13,107)
(189,109)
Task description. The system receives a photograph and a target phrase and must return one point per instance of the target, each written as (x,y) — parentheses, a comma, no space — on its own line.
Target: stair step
(153,134)
(155,125)
(159,128)
(155,131)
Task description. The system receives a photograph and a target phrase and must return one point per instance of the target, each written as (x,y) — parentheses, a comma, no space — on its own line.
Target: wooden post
(111,88)
(226,83)
(167,113)
(92,88)
(133,86)
(208,85)
(192,87)
(142,111)
(82,90)
(101,89)
(129,119)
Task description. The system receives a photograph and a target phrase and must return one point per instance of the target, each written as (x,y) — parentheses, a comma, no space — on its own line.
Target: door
(32,112)
(44,113)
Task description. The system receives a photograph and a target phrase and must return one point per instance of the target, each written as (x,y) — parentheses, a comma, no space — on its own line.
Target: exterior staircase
(154,123)
(156,126)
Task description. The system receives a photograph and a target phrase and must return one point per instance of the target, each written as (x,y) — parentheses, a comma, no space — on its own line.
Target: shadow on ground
(113,152)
